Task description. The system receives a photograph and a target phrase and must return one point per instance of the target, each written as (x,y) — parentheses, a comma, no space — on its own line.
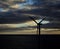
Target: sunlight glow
(43,22)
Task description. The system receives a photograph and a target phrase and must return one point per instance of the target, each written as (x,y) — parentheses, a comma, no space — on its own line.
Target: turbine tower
(38,29)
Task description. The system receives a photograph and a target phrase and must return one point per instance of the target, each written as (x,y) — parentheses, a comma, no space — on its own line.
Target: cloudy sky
(15,14)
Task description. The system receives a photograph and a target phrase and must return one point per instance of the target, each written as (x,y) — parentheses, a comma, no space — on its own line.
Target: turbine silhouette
(38,24)
(38,28)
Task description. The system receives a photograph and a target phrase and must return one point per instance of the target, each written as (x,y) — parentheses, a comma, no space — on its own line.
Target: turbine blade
(32,19)
(42,19)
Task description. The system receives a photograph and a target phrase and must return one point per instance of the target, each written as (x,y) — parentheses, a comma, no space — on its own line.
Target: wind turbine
(38,23)
(38,28)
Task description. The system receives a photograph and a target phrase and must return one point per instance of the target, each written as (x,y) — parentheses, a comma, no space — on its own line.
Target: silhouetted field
(19,42)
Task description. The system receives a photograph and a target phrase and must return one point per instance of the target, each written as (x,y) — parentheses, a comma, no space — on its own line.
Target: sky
(16,13)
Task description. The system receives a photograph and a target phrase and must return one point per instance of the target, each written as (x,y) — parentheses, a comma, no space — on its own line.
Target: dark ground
(29,42)
(19,42)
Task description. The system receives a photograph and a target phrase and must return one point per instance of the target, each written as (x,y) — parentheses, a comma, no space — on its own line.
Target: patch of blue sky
(28,2)
(1,9)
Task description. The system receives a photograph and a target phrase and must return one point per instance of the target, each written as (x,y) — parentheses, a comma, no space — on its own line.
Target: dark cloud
(49,10)
(10,17)
(7,29)
(49,25)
